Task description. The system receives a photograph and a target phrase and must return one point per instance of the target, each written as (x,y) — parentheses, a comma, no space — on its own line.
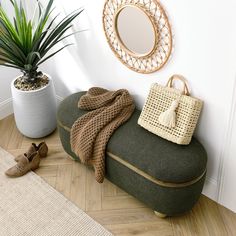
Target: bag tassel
(168,117)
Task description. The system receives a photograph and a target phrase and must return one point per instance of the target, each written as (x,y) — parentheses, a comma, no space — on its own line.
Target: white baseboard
(6,108)
(211,189)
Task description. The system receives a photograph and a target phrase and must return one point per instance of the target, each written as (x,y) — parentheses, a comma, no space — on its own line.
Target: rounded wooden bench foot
(160,215)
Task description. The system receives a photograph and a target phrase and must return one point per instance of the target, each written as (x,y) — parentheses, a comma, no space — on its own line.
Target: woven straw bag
(171,113)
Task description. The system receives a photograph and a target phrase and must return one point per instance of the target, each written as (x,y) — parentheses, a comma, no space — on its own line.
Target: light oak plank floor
(110,206)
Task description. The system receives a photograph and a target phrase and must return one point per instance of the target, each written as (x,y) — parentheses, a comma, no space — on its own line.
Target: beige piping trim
(156,181)
(63,126)
(142,173)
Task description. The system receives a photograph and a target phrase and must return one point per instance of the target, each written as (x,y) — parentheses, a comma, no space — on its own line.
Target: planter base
(35,111)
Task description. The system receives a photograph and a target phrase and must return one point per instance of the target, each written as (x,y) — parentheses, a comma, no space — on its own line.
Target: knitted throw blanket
(91,132)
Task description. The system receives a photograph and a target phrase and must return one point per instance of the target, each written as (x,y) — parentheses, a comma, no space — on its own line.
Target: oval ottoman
(165,176)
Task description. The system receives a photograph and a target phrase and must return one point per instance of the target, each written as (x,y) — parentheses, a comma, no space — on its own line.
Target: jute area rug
(29,206)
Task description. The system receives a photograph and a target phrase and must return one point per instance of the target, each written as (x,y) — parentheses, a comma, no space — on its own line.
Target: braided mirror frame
(161,52)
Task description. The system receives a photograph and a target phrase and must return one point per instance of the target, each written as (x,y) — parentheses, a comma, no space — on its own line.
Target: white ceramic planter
(35,111)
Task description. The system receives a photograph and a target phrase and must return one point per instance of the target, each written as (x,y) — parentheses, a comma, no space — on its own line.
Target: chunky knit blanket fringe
(91,132)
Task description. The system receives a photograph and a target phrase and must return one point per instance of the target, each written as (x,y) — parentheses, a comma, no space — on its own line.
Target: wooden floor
(110,206)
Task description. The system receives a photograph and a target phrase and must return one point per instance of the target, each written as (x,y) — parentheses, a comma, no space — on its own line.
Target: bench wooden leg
(160,215)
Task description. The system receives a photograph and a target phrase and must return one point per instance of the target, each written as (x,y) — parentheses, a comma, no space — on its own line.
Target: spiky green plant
(25,44)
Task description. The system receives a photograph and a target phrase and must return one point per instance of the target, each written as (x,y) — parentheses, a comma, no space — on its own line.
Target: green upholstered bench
(165,176)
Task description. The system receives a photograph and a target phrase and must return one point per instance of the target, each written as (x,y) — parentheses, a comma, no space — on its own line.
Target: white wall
(6,76)
(227,193)
(204,52)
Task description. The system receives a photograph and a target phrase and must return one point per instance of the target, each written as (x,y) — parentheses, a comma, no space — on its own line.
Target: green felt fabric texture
(155,156)
(169,201)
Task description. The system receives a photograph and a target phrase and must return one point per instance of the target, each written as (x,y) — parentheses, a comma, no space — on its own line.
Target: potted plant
(25,44)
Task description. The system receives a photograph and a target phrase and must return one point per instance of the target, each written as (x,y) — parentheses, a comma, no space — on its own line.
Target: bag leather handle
(182,79)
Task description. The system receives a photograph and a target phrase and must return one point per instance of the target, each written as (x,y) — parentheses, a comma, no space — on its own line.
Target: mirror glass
(135,30)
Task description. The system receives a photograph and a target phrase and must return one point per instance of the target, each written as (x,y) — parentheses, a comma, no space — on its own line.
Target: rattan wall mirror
(139,33)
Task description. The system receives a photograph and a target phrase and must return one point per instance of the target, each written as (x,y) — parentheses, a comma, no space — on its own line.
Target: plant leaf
(25,44)
(31,57)
(28,67)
